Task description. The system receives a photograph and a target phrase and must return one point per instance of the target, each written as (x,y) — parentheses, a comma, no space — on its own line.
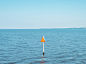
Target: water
(23,46)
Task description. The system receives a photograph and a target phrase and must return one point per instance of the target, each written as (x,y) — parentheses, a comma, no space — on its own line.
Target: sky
(35,14)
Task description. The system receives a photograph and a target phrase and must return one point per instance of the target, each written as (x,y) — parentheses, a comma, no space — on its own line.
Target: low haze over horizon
(34,14)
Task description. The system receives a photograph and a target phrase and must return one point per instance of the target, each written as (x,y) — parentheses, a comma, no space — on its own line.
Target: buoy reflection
(42,61)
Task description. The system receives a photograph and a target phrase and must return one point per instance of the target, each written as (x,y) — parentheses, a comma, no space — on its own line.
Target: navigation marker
(43,40)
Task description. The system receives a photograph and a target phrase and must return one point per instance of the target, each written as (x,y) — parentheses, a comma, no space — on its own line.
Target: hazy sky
(29,14)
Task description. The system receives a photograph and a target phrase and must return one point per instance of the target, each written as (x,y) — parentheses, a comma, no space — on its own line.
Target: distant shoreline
(60,28)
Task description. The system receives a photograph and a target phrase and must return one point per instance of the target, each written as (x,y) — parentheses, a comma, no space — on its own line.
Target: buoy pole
(43,40)
(43,48)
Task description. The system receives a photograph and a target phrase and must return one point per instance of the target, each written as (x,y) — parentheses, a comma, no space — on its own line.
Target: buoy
(43,40)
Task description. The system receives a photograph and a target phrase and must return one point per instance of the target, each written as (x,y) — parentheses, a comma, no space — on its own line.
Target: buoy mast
(43,40)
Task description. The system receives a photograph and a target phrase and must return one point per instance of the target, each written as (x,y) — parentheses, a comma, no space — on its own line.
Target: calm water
(62,46)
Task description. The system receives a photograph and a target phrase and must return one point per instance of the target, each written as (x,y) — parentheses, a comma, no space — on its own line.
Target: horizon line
(47,28)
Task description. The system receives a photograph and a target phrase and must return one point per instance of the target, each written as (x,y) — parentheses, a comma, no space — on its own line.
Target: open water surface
(23,46)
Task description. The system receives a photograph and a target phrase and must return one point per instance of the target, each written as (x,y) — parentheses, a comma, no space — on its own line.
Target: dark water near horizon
(23,46)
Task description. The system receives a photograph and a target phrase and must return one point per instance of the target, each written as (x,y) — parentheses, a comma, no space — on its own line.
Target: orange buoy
(43,40)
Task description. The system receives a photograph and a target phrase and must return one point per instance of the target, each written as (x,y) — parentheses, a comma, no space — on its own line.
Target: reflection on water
(42,61)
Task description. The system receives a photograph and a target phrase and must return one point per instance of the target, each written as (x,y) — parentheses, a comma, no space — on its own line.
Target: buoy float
(43,40)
